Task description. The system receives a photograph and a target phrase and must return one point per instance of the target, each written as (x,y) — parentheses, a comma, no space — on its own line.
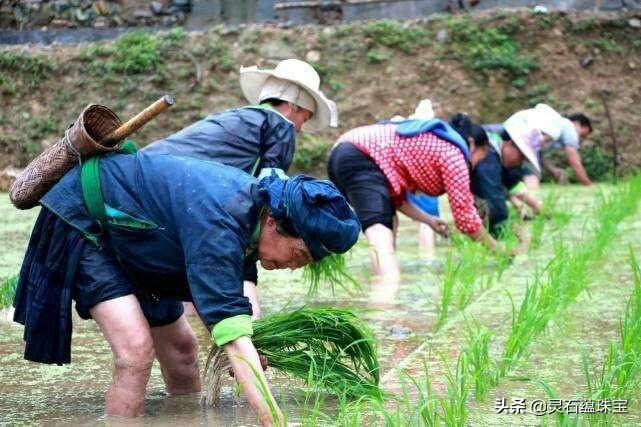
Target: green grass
(484,48)
(397,35)
(133,53)
(7,291)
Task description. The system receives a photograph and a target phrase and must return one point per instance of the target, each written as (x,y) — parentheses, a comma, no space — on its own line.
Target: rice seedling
(277,418)
(460,275)
(333,271)
(481,367)
(620,376)
(563,419)
(330,348)
(454,404)
(7,291)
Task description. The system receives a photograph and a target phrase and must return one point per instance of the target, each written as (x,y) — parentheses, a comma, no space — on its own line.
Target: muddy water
(403,325)
(75,393)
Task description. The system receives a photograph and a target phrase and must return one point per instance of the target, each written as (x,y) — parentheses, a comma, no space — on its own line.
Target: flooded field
(416,336)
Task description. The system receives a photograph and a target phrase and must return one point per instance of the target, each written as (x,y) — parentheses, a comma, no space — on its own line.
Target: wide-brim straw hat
(527,139)
(253,80)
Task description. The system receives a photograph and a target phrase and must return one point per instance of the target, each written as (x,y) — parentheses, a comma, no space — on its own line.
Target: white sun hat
(293,81)
(547,120)
(423,111)
(527,138)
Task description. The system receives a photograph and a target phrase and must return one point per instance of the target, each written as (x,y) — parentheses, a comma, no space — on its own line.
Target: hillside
(488,65)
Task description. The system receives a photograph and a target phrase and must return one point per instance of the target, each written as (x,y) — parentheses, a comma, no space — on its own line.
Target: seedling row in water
(550,292)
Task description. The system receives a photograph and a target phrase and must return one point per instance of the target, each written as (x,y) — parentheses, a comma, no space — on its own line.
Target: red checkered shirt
(423,162)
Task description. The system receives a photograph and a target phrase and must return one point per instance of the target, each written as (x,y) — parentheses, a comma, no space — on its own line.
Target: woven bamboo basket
(79,142)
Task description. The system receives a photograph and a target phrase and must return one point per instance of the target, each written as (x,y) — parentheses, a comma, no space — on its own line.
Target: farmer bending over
(132,235)
(496,167)
(376,166)
(259,137)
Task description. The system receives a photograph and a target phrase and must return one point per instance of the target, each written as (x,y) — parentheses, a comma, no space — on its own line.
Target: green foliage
(327,74)
(485,48)
(175,37)
(583,25)
(375,56)
(310,151)
(133,53)
(394,34)
(7,291)
(220,52)
(597,163)
(22,67)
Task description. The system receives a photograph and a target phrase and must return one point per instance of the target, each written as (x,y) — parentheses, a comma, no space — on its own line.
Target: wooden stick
(138,121)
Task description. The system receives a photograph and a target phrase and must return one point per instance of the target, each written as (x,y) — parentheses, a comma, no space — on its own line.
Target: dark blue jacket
(198,216)
(491,182)
(249,138)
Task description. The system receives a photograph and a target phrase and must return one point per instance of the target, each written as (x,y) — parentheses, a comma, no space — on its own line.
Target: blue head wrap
(317,210)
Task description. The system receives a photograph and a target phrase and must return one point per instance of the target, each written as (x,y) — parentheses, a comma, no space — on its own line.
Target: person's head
(474,135)
(511,156)
(296,84)
(294,113)
(582,124)
(279,246)
(306,220)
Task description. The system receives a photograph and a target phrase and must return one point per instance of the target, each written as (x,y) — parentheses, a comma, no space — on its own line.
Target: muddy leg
(124,326)
(384,262)
(177,351)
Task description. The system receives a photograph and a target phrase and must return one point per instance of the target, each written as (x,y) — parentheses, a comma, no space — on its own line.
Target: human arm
(574,160)
(559,174)
(456,179)
(437,224)
(246,365)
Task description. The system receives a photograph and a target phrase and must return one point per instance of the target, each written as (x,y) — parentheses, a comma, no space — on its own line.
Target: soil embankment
(488,65)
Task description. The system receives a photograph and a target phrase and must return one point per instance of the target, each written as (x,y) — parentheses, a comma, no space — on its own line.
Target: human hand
(560,176)
(440,227)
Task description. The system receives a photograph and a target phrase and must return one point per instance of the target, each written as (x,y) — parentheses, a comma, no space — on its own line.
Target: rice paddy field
(551,337)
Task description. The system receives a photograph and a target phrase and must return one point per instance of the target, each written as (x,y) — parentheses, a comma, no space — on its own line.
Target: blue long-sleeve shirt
(199,217)
(249,138)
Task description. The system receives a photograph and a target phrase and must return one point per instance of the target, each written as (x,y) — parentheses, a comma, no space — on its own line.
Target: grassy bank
(488,65)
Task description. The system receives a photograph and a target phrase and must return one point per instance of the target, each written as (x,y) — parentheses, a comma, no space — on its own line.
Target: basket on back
(81,141)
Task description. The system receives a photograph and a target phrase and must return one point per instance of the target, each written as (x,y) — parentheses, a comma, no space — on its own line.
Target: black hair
(582,119)
(479,135)
(505,136)
(274,102)
(285,227)
(468,129)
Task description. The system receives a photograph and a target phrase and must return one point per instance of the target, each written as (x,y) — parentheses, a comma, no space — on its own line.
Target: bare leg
(190,310)
(426,239)
(124,326)
(177,351)
(384,262)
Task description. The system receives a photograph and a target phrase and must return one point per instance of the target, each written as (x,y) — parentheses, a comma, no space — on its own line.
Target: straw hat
(527,138)
(293,81)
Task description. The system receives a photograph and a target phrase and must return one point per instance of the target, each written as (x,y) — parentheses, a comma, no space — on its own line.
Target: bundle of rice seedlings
(331,270)
(330,348)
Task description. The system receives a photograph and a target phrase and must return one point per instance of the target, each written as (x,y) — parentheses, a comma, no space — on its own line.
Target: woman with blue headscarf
(129,237)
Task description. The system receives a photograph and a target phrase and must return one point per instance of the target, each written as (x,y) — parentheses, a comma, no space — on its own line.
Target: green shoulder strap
(90,181)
